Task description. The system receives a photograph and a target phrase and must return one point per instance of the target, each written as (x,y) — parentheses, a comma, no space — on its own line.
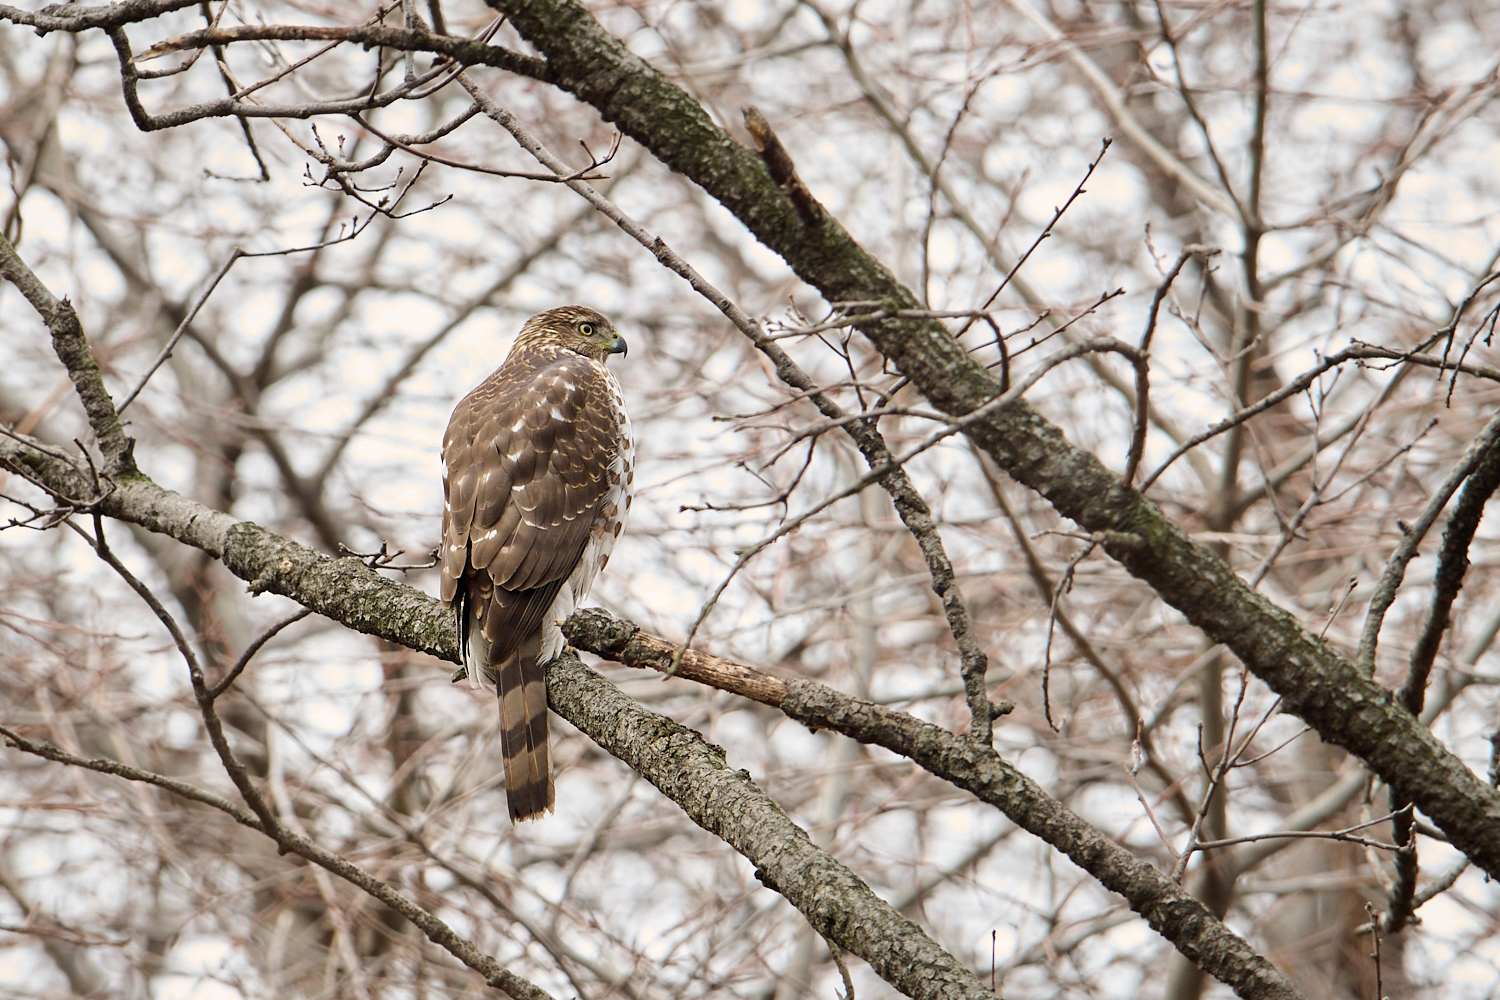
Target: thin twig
(250,651)
(1411,538)
(1142,382)
(1064,585)
(104,765)
(192,314)
(1057,214)
(1346,834)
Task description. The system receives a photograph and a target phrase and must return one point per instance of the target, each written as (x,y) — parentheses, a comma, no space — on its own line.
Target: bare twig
(1057,214)
(1346,835)
(1142,383)
(192,314)
(250,651)
(1411,538)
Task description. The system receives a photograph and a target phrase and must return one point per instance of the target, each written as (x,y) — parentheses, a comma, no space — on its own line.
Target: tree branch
(1167,907)
(1315,682)
(1411,538)
(72,349)
(694,774)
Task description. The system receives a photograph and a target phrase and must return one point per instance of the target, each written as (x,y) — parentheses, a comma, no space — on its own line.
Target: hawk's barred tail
(522,688)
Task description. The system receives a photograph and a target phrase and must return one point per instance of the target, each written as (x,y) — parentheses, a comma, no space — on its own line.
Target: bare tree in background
(1064,439)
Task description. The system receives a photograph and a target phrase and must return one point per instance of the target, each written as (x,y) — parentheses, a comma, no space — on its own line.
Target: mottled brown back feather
(529,457)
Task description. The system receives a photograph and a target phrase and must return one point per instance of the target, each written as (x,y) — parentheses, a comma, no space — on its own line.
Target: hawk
(537,478)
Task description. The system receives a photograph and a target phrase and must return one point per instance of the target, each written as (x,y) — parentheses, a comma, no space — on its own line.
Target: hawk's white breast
(609,521)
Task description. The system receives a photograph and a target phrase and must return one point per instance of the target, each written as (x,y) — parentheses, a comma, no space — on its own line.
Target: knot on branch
(783,171)
(1121,541)
(598,631)
(71,346)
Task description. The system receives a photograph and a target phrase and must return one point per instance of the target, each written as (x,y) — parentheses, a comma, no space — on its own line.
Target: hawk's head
(573,328)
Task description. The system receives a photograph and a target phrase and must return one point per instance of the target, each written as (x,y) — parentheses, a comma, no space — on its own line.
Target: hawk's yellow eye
(587,329)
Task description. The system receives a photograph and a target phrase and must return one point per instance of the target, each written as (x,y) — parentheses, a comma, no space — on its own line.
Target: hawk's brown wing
(527,466)
(527,463)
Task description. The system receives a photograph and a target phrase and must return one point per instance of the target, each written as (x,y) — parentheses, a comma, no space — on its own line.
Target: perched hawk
(537,476)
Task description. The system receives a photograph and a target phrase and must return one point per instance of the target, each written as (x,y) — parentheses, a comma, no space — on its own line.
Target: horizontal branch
(345,589)
(468,51)
(66,17)
(970,765)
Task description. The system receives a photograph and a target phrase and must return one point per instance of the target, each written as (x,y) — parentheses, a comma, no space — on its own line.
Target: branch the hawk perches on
(538,467)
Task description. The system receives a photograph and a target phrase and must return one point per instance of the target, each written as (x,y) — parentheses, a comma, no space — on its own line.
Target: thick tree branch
(1314,681)
(72,349)
(694,774)
(67,17)
(1167,907)
(344,590)
(728,804)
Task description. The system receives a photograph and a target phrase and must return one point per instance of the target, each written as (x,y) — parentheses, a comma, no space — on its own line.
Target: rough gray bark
(678,761)
(1316,683)
(345,590)
(675,759)
(967,763)
(726,802)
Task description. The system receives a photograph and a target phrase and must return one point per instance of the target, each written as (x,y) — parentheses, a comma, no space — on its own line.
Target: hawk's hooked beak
(618,346)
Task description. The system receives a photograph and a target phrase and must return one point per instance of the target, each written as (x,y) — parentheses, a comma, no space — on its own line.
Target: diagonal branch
(694,774)
(1411,538)
(1169,908)
(72,349)
(1316,683)
(1453,563)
